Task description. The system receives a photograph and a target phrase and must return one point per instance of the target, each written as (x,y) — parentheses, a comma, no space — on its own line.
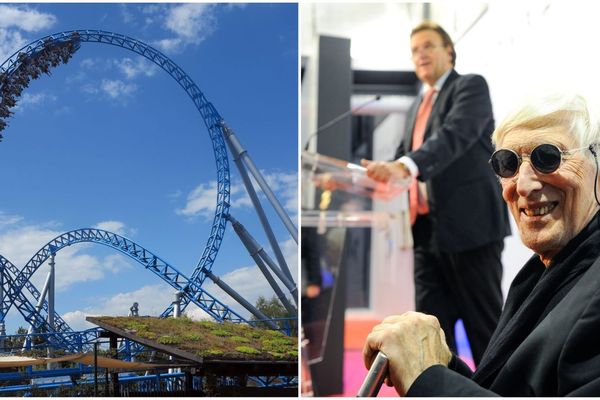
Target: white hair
(577,112)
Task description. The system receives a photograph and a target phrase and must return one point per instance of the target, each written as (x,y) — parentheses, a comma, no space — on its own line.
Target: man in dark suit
(546,342)
(459,219)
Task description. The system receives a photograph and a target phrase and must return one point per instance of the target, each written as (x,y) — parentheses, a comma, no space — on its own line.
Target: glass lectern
(337,198)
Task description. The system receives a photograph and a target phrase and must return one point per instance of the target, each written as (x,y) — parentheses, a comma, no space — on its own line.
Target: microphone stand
(338,119)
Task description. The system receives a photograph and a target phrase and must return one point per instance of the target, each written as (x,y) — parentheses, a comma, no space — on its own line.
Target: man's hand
(313,291)
(327,181)
(383,171)
(412,342)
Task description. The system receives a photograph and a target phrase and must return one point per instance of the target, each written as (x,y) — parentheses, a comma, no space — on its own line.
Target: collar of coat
(533,294)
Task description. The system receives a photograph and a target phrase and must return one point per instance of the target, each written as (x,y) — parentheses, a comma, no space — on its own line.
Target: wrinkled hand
(383,171)
(412,342)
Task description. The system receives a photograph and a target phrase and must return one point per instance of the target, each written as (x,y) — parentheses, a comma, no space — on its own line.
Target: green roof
(208,339)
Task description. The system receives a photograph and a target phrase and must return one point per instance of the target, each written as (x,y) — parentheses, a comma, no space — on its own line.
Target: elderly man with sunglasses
(547,340)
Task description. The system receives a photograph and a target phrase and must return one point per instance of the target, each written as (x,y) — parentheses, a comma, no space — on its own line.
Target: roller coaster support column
(227,289)
(2,336)
(241,158)
(2,313)
(96,369)
(51,286)
(39,306)
(114,376)
(2,310)
(255,252)
(177,304)
(176,314)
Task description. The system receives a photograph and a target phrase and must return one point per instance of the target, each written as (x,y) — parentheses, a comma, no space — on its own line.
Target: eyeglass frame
(568,152)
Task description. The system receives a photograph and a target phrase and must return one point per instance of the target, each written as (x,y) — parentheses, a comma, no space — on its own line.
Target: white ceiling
(380,31)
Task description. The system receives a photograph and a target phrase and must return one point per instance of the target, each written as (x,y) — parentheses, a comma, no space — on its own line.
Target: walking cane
(375,377)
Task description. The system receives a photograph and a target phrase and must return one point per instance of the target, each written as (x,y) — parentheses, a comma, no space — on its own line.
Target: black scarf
(534,293)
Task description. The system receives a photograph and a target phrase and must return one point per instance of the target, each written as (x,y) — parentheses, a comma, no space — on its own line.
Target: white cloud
(183,24)
(14,19)
(117,227)
(8,220)
(76,320)
(115,263)
(233,6)
(63,110)
(18,245)
(290,253)
(73,268)
(169,45)
(77,264)
(286,186)
(239,195)
(10,41)
(126,15)
(32,100)
(201,201)
(90,89)
(117,89)
(73,263)
(152,300)
(132,68)
(191,23)
(25,18)
(76,77)
(153,8)
(88,63)
(113,89)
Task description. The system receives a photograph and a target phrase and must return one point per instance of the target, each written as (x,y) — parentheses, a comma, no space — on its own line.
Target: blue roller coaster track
(150,261)
(213,121)
(16,283)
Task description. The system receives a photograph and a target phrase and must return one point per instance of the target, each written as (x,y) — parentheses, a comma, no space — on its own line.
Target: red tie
(418,204)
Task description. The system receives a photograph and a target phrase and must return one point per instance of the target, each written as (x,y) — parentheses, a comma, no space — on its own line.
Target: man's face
(431,58)
(549,209)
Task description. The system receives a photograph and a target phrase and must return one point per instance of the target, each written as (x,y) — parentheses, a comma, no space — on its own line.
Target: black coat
(465,199)
(547,342)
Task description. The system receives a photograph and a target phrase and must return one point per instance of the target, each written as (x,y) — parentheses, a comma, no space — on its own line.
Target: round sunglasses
(545,158)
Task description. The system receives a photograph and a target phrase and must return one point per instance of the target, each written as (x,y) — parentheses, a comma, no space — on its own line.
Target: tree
(273,308)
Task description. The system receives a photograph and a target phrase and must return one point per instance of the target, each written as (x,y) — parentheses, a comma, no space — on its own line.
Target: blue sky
(111,141)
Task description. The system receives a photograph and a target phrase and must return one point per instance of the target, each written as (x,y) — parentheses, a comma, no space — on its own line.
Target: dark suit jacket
(548,338)
(465,199)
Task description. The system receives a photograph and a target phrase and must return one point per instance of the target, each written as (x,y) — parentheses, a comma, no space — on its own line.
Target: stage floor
(356,330)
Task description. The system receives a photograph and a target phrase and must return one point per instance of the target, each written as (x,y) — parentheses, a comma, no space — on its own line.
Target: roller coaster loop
(213,121)
(13,288)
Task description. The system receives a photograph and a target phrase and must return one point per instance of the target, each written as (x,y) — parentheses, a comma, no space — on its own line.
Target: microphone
(338,119)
